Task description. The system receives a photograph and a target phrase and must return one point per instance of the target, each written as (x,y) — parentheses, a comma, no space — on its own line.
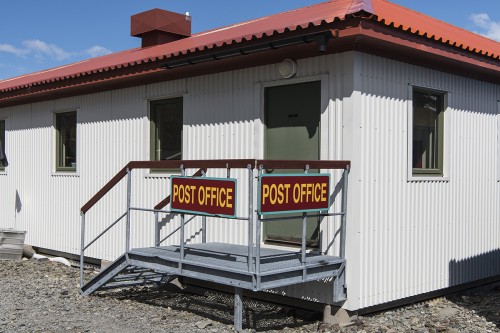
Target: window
(428,132)
(2,143)
(166,129)
(66,141)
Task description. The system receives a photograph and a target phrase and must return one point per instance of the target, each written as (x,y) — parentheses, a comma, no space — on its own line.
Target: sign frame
(259,193)
(192,212)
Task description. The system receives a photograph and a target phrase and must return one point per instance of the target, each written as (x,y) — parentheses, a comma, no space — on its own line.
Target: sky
(42,34)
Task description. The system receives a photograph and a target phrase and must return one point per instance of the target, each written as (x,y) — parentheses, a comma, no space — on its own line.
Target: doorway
(292,116)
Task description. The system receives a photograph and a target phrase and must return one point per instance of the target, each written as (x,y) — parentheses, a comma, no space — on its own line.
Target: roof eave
(400,45)
(357,33)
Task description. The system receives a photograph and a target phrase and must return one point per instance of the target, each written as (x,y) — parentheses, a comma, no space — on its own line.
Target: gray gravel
(42,296)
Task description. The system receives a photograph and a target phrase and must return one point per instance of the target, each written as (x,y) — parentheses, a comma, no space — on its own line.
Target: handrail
(297,164)
(192,164)
(162,204)
(105,189)
(205,164)
(234,163)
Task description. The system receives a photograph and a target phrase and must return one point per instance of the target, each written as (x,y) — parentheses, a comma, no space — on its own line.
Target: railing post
(304,236)
(157,229)
(203,219)
(344,213)
(82,249)
(183,173)
(129,190)
(250,218)
(257,240)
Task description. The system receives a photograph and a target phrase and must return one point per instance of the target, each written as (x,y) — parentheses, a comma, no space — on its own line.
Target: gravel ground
(42,296)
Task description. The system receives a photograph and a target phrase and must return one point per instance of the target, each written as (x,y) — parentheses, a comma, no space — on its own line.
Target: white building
(412,102)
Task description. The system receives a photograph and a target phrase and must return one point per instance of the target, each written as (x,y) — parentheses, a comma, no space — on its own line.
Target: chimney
(157,26)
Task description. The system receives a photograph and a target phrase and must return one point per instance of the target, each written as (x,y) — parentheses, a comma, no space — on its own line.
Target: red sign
(293,193)
(204,196)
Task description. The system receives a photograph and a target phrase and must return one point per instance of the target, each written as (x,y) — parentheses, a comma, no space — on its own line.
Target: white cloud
(41,48)
(43,52)
(96,51)
(490,28)
(14,50)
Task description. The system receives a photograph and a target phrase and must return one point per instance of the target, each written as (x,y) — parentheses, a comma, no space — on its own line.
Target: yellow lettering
(287,189)
(296,193)
(201,195)
(193,188)
(265,193)
(187,198)
(281,195)
(208,195)
(229,198)
(181,194)
(212,196)
(309,192)
(317,194)
(222,202)
(302,191)
(273,195)
(176,193)
(323,192)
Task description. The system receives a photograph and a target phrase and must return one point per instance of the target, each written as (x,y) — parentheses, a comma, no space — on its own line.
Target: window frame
(417,174)
(57,141)
(152,131)
(2,120)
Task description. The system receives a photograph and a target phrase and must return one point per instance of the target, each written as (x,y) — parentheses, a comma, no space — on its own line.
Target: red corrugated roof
(384,12)
(423,25)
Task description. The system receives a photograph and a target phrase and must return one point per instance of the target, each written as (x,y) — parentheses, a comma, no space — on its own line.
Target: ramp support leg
(339,290)
(238,310)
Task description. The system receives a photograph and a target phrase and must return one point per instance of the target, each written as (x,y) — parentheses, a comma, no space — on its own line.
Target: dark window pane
(427,130)
(66,146)
(166,116)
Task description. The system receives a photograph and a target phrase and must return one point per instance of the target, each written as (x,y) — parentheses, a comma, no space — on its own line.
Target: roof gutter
(321,39)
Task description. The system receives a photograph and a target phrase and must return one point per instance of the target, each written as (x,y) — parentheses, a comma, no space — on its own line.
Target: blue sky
(41,34)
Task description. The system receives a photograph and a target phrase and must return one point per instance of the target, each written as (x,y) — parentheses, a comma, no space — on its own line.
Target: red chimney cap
(158,20)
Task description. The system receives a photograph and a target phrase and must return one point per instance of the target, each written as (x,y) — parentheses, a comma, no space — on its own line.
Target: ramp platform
(221,263)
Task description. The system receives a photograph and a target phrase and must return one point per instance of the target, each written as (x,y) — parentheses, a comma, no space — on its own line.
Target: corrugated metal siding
(404,238)
(420,236)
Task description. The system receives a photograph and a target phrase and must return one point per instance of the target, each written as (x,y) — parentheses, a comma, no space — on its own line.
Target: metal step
(123,274)
(105,275)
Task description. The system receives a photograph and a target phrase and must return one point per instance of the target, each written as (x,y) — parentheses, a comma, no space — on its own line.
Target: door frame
(325,107)
(325,135)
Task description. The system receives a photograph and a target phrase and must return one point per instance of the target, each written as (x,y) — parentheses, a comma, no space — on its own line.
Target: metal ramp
(248,267)
(215,262)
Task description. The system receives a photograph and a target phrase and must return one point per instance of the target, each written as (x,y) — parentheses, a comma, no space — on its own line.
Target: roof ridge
(360,5)
(261,18)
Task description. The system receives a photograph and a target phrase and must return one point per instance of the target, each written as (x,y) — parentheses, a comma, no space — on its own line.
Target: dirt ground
(43,296)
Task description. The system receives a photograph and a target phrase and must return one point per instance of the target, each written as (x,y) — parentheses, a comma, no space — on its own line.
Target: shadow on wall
(475,268)
(19,204)
(485,300)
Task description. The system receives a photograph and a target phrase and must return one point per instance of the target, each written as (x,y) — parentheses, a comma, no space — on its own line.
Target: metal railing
(203,166)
